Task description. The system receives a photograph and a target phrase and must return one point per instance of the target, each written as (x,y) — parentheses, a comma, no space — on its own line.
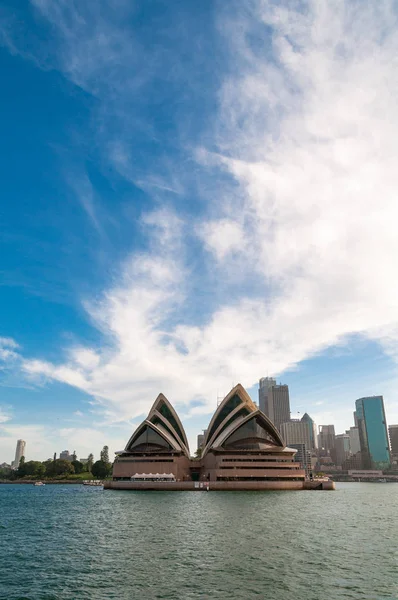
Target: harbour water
(70,542)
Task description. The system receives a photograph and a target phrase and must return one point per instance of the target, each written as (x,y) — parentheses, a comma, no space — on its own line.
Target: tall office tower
(326,438)
(312,427)
(296,432)
(355,446)
(393,433)
(355,419)
(19,452)
(342,448)
(373,432)
(274,401)
(264,384)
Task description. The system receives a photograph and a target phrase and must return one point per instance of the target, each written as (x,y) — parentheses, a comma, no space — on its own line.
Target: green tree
(7,473)
(32,468)
(78,466)
(21,467)
(101,469)
(90,461)
(58,467)
(104,454)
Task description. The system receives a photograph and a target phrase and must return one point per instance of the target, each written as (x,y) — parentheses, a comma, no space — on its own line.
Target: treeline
(60,469)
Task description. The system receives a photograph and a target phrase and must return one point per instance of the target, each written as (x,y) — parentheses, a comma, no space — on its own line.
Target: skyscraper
(373,432)
(296,432)
(355,445)
(19,452)
(326,438)
(264,384)
(274,401)
(342,448)
(393,433)
(312,428)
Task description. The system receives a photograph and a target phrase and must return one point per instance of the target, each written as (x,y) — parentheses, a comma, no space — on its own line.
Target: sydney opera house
(242,449)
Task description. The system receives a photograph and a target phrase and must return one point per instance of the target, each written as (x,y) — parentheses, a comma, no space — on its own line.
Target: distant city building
(373,432)
(19,452)
(65,455)
(201,439)
(355,419)
(393,434)
(296,432)
(264,384)
(312,428)
(274,401)
(353,462)
(326,438)
(355,446)
(5,466)
(365,473)
(303,456)
(342,448)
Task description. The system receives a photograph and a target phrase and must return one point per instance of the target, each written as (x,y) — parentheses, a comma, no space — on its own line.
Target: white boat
(93,482)
(39,483)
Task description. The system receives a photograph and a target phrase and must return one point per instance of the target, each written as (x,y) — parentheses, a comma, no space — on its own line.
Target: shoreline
(46,481)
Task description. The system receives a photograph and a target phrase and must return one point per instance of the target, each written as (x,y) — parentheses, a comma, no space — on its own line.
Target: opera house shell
(242,449)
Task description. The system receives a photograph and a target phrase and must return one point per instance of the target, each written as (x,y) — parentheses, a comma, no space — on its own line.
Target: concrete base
(218,485)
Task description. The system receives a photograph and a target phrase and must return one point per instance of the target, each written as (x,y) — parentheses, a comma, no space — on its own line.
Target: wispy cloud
(303,147)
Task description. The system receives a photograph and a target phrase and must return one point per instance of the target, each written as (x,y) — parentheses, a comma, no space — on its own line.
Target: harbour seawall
(218,485)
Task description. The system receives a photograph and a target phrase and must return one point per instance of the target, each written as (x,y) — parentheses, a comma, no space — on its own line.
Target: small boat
(39,483)
(93,482)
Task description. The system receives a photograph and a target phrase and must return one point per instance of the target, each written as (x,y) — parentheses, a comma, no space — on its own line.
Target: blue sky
(191,197)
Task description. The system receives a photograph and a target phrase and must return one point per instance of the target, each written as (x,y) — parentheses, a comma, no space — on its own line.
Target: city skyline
(192,208)
(306,420)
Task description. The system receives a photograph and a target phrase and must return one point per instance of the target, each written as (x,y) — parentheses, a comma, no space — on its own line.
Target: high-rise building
(274,401)
(264,384)
(326,438)
(355,446)
(355,419)
(393,433)
(302,456)
(341,448)
(296,432)
(312,428)
(19,453)
(373,432)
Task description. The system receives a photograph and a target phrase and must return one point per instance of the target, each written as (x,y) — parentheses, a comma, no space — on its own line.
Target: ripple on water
(73,543)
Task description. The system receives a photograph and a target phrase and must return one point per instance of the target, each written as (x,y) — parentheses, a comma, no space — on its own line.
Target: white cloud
(4,417)
(305,144)
(311,146)
(223,237)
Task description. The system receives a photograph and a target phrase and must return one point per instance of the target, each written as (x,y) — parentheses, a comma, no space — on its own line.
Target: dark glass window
(150,440)
(228,408)
(156,421)
(243,412)
(166,412)
(251,435)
